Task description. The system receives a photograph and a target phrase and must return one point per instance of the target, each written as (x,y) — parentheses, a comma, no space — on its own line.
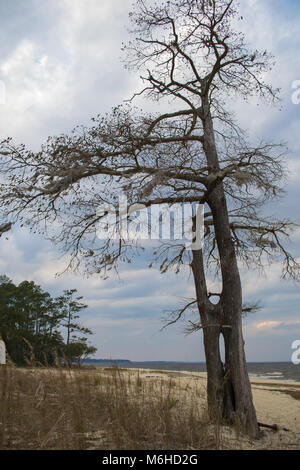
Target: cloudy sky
(60,64)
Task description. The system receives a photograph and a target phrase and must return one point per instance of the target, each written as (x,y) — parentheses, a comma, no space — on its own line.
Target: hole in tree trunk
(214,299)
(222,348)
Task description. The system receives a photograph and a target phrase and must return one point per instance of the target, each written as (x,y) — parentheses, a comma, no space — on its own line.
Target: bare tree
(194,152)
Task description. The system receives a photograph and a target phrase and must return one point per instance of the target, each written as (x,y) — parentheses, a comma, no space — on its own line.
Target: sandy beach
(92,408)
(276,403)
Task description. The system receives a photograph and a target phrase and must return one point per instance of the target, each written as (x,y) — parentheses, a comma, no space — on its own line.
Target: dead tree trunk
(228,386)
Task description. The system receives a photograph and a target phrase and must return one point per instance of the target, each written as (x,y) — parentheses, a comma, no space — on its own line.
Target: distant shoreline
(172,362)
(281,371)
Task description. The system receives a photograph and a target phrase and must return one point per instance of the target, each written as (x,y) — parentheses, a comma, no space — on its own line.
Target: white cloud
(294,165)
(36,87)
(254,283)
(53,85)
(266,324)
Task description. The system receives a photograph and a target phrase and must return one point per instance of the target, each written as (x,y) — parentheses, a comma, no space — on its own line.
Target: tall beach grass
(85,408)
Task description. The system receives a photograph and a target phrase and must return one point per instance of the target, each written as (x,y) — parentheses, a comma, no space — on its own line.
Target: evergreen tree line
(37,327)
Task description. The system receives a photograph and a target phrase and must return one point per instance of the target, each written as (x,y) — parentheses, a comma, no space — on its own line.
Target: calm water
(260,370)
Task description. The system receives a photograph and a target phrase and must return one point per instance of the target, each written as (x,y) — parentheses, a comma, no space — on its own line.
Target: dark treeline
(39,328)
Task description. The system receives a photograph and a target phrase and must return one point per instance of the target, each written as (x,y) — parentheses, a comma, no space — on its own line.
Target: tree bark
(228,386)
(211,334)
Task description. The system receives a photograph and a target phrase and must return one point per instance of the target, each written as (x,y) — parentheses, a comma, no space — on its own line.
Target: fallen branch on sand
(275,427)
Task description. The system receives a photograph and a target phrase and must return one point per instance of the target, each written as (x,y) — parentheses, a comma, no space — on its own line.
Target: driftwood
(275,427)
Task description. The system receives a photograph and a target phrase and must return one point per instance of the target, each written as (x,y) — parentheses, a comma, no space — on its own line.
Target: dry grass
(58,408)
